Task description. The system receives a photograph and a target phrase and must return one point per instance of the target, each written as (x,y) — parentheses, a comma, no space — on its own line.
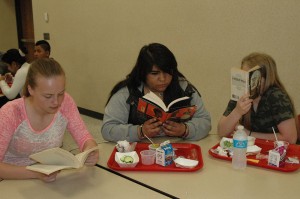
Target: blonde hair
(44,67)
(269,73)
(269,69)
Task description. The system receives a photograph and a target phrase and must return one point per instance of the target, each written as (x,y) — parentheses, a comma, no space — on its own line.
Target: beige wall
(97,41)
(8,24)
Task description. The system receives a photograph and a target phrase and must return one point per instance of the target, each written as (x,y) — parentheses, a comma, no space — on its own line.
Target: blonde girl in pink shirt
(38,121)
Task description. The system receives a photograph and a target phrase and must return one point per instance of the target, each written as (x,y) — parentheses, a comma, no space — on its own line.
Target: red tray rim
(258,142)
(155,167)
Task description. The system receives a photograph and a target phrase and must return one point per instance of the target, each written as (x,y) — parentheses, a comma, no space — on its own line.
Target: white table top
(217,178)
(88,182)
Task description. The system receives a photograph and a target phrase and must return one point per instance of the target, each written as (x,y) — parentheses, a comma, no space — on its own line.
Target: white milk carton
(164,154)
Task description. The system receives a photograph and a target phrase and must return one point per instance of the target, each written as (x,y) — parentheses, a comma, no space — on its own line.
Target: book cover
(55,159)
(243,82)
(154,107)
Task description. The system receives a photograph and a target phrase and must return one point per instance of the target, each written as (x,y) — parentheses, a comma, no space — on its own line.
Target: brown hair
(46,68)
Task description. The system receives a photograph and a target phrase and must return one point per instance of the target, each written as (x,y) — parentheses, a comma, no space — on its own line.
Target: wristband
(186,132)
(141,131)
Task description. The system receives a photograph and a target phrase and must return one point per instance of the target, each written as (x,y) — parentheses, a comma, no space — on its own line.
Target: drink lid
(240,127)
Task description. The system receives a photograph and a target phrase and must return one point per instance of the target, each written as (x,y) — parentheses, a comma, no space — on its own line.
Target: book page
(47,169)
(177,100)
(238,83)
(56,156)
(155,99)
(83,155)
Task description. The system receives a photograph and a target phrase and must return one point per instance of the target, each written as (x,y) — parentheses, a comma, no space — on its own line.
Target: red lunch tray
(266,145)
(190,151)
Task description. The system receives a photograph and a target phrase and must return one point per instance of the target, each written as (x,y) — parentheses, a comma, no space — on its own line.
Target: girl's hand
(243,105)
(173,128)
(93,158)
(48,178)
(151,128)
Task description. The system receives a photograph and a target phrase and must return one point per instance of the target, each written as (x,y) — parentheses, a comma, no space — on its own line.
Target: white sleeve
(17,86)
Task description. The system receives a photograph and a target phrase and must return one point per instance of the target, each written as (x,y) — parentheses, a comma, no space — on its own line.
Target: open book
(243,82)
(56,159)
(151,105)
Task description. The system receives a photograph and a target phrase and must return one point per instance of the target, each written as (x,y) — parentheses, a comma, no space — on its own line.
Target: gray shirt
(116,128)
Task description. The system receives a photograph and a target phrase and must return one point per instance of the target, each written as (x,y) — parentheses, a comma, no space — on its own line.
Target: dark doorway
(25,26)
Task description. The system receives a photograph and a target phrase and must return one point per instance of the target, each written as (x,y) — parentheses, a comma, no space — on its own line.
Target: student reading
(156,71)
(273,108)
(38,121)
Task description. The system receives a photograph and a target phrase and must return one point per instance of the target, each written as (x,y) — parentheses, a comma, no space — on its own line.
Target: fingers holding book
(174,129)
(92,158)
(244,104)
(151,127)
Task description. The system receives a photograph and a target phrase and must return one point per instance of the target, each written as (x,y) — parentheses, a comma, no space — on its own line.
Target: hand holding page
(243,82)
(56,159)
(151,105)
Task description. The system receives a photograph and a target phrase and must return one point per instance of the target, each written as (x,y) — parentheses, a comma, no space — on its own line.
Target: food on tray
(185,163)
(153,146)
(253,150)
(128,159)
(125,146)
(226,143)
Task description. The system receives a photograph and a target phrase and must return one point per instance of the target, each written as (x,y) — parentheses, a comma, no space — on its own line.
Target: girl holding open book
(38,121)
(272,109)
(156,71)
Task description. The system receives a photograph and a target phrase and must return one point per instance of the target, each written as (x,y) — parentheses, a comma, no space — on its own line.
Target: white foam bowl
(253,150)
(132,154)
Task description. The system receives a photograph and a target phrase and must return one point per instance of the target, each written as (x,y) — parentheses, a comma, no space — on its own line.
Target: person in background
(42,49)
(11,84)
(38,121)
(155,70)
(273,108)
(3,66)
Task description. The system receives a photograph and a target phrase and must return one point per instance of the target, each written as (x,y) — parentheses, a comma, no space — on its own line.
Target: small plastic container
(251,140)
(153,146)
(148,157)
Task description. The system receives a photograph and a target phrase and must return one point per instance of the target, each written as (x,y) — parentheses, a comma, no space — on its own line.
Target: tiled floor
(94,127)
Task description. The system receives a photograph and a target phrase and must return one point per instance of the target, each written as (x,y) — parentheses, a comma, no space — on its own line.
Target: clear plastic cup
(251,140)
(148,157)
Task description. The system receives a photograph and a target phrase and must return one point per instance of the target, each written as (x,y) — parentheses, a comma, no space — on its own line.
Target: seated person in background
(17,65)
(272,108)
(156,71)
(42,49)
(3,66)
(38,121)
